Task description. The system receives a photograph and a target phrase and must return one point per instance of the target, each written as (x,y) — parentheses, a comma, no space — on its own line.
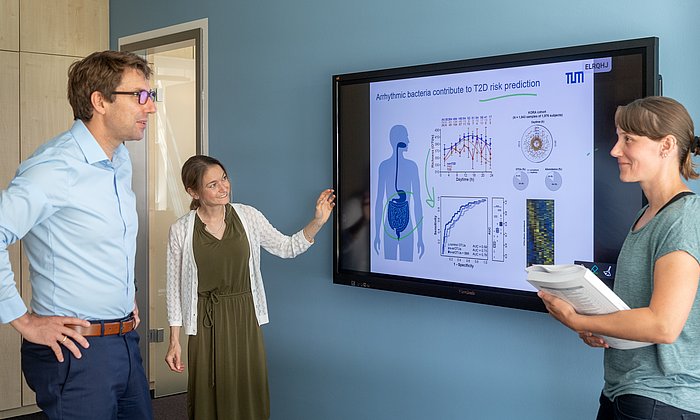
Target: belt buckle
(121,325)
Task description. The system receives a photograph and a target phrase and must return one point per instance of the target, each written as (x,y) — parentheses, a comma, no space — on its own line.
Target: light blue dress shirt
(76,213)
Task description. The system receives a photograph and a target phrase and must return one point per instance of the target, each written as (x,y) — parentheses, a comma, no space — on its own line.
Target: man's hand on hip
(52,331)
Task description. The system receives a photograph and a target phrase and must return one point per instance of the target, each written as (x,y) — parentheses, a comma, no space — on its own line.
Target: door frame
(151,40)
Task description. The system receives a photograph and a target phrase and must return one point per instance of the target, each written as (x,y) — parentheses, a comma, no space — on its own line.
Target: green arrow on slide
(431,197)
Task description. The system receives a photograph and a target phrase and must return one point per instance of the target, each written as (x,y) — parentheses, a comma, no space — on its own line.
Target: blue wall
(337,352)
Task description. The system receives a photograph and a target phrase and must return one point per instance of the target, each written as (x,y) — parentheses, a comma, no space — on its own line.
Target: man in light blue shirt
(71,202)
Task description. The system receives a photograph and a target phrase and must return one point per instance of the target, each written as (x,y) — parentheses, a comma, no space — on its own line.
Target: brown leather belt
(99,329)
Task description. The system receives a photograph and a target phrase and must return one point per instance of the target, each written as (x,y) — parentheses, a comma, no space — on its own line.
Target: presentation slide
(476,176)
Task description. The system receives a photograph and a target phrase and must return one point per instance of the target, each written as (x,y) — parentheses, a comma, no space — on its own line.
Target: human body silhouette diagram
(398,187)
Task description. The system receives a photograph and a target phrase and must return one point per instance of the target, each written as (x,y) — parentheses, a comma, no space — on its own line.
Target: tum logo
(574,77)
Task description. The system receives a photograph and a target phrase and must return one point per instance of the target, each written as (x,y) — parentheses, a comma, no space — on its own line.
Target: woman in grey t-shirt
(657,272)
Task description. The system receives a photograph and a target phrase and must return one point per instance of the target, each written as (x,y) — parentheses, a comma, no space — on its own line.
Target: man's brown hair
(99,72)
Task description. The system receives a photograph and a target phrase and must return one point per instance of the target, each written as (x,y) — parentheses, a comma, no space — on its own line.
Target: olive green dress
(227,369)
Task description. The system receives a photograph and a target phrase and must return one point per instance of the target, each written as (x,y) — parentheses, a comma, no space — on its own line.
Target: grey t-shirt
(669,373)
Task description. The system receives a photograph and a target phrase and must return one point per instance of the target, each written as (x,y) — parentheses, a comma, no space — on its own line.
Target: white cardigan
(181,288)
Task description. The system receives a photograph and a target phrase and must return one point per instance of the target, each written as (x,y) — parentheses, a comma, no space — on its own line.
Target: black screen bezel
(511,298)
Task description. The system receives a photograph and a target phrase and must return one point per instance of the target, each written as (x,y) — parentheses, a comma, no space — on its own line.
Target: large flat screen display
(452,178)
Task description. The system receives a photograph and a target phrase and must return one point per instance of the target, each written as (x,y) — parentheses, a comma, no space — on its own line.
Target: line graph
(464,223)
(465,145)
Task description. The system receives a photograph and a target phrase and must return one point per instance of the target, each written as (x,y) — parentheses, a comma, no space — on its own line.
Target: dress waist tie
(211,300)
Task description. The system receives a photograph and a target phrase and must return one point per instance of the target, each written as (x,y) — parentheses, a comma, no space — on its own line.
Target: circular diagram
(553,180)
(520,180)
(537,143)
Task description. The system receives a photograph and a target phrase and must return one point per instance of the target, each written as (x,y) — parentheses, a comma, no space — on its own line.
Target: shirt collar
(91,149)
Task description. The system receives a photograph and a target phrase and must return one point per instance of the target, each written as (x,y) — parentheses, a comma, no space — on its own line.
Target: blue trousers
(636,407)
(107,382)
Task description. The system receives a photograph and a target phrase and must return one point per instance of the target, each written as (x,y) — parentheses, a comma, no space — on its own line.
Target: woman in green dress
(215,293)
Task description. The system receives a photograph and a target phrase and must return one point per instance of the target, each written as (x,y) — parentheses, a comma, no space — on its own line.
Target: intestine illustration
(398,211)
